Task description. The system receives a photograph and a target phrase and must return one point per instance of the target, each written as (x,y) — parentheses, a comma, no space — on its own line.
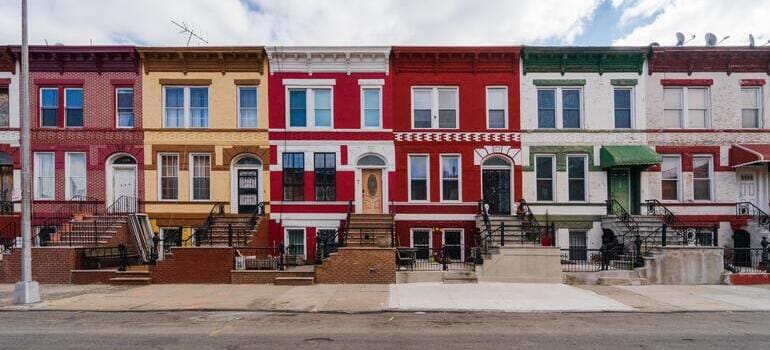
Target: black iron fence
(747,260)
(262,258)
(581,259)
(444,258)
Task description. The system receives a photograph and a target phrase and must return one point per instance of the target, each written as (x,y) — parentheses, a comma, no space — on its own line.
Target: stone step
(622,281)
(293,281)
(460,279)
(130,281)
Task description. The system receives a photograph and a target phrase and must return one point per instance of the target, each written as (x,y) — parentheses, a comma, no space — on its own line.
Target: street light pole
(27,291)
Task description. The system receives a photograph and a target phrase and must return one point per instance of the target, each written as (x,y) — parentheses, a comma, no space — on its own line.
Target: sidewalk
(500,297)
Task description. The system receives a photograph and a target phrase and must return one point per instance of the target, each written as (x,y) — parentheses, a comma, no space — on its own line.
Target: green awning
(623,156)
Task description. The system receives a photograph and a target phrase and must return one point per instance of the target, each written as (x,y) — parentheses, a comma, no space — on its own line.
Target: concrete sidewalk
(501,297)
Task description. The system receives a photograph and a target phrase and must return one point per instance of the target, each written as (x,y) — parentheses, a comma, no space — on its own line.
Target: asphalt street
(260,330)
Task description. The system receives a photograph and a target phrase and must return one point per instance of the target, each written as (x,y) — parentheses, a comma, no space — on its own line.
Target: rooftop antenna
(681,40)
(751,41)
(723,39)
(185,29)
(711,40)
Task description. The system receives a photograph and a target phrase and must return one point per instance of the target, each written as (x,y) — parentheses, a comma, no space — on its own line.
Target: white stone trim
(479,154)
(373,82)
(310,59)
(447,136)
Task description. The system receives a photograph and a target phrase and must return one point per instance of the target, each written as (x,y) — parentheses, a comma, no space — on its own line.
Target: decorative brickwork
(359,265)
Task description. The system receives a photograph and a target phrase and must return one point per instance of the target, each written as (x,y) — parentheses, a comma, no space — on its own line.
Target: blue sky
(387,22)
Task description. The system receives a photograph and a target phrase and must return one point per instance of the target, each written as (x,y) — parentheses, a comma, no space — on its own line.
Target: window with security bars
(421,243)
(201,176)
(295,244)
(325,177)
(578,245)
(169,176)
(293,176)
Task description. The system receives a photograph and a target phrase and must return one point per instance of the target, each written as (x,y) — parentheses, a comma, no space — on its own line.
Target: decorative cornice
(408,59)
(449,136)
(202,59)
(314,59)
(583,59)
(80,58)
(710,59)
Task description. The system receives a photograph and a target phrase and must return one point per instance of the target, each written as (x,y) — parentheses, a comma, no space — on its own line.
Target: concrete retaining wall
(685,265)
(523,264)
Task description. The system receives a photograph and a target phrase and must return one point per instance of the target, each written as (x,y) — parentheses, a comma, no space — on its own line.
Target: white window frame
(760,113)
(559,106)
(409,176)
(685,122)
(363,107)
(505,89)
(710,178)
(553,176)
(238,105)
(585,176)
(309,106)
(83,108)
(462,239)
(191,171)
(631,106)
(304,239)
(679,179)
(441,177)
(187,106)
(434,109)
(430,238)
(68,174)
(160,176)
(37,175)
(117,110)
(40,107)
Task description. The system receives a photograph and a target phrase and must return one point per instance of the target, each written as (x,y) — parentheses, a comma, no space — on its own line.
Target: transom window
(751,108)
(544,177)
(450,178)
(325,176)
(124,107)
(293,176)
(686,107)
(497,107)
(201,176)
(702,170)
(186,107)
(371,107)
(418,178)
(169,176)
(576,177)
(45,187)
(247,107)
(310,107)
(75,175)
(434,108)
(671,172)
(559,108)
(622,102)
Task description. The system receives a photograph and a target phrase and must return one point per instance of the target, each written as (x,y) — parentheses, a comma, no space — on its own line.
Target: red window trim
(115,88)
(5,82)
(687,82)
(752,82)
(60,122)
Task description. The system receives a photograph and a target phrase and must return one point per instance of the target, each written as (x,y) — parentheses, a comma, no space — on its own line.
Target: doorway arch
(120,177)
(245,191)
(497,184)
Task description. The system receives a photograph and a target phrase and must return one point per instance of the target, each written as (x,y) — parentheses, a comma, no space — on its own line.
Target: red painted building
(331,141)
(85,105)
(10,166)
(457,140)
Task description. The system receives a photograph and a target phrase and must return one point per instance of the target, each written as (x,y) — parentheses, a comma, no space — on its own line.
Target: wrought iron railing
(747,260)
(582,259)
(675,231)
(614,208)
(444,258)
(749,209)
(534,230)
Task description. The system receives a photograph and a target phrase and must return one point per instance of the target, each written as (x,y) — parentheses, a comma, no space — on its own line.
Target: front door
(371,191)
(248,190)
(620,187)
(747,188)
(741,245)
(124,185)
(497,190)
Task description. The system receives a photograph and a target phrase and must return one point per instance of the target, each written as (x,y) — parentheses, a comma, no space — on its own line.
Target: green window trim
(559,82)
(624,82)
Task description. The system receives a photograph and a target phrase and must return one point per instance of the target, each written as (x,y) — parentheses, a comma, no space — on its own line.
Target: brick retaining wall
(50,265)
(353,265)
(195,265)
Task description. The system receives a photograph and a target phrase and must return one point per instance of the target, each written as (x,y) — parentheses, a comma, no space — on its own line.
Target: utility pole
(27,291)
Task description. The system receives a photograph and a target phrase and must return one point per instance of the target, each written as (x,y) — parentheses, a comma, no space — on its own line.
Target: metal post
(26,291)
(229,235)
(715,233)
(443,258)
(663,235)
(502,233)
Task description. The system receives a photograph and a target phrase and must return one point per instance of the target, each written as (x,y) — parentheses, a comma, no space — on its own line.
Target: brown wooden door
(371,191)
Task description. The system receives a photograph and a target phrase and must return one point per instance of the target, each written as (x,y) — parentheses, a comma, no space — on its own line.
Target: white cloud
(737,18)
(292,22)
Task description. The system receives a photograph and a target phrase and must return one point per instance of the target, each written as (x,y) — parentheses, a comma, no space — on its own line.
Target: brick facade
(358,265)
(49,265)
(195,265)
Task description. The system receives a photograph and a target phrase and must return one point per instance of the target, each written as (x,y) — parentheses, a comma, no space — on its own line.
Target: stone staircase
(370,230)
(243,231)
(512,227)
(89,230)
(648,226)
(135,275)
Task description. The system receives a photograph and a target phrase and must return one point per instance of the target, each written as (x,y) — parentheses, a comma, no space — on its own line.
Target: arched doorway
(245,193)
(372,196)
(6,183)
(496,182)
(741,248)
(121,178)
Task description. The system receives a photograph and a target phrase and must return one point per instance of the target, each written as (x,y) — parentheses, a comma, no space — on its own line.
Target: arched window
(371,160)
(497,162)
(248,160)
(124,160)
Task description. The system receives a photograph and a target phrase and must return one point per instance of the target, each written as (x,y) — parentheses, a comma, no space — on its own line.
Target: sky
(387,22)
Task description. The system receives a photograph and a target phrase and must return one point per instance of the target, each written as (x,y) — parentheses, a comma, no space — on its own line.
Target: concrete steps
(293,281)
(368,230)
(459,277)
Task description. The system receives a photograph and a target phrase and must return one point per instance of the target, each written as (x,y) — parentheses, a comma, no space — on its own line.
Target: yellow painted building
(205,122)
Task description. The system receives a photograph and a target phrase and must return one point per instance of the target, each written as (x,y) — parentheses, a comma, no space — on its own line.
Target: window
(201,176)
(44,176)
(685,107)
(73,107)
(418,178)
(671,169)
(5,107)
(421,241)
(450,178)
(434,108)
(751,102)
(497,107)
(186,107)
(325,177)
(295,241)
(247,106)
(559,108)
(576,177)
(622,98)
(169,176)
(544,174)
(75,175)
(701,177)
(49,107)
(124,100)
(371,107)
(578,247)
(310,108)
(293,176)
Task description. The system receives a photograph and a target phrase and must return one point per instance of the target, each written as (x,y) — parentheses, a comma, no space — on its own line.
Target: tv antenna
(185,29)
(680,39)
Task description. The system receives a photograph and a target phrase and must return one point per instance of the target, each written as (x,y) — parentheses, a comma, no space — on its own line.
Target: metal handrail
(751,210)
(614,208)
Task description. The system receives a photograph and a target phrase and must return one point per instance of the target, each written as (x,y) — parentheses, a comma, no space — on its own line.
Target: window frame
(679,185)
(160,176)
(191,174)
(68,174)
(506,103)
(441,177)
(559,106)
(40,107)
(553,176)
(118,89)
(585,177)
(238,105)
(631,107)
(409,177)
(430,239)
(283,177)
(333,177)
(710,178)
(7,89)
(363,106)
(435,108)
(82,108)
(304,239)
(685,107)
(187,106)
(309,106)
(36,176)
(758,95)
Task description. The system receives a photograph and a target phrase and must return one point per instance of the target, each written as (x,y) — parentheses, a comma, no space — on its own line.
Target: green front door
(620,187)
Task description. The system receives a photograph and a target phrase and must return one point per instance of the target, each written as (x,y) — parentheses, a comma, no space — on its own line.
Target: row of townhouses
(422,147)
